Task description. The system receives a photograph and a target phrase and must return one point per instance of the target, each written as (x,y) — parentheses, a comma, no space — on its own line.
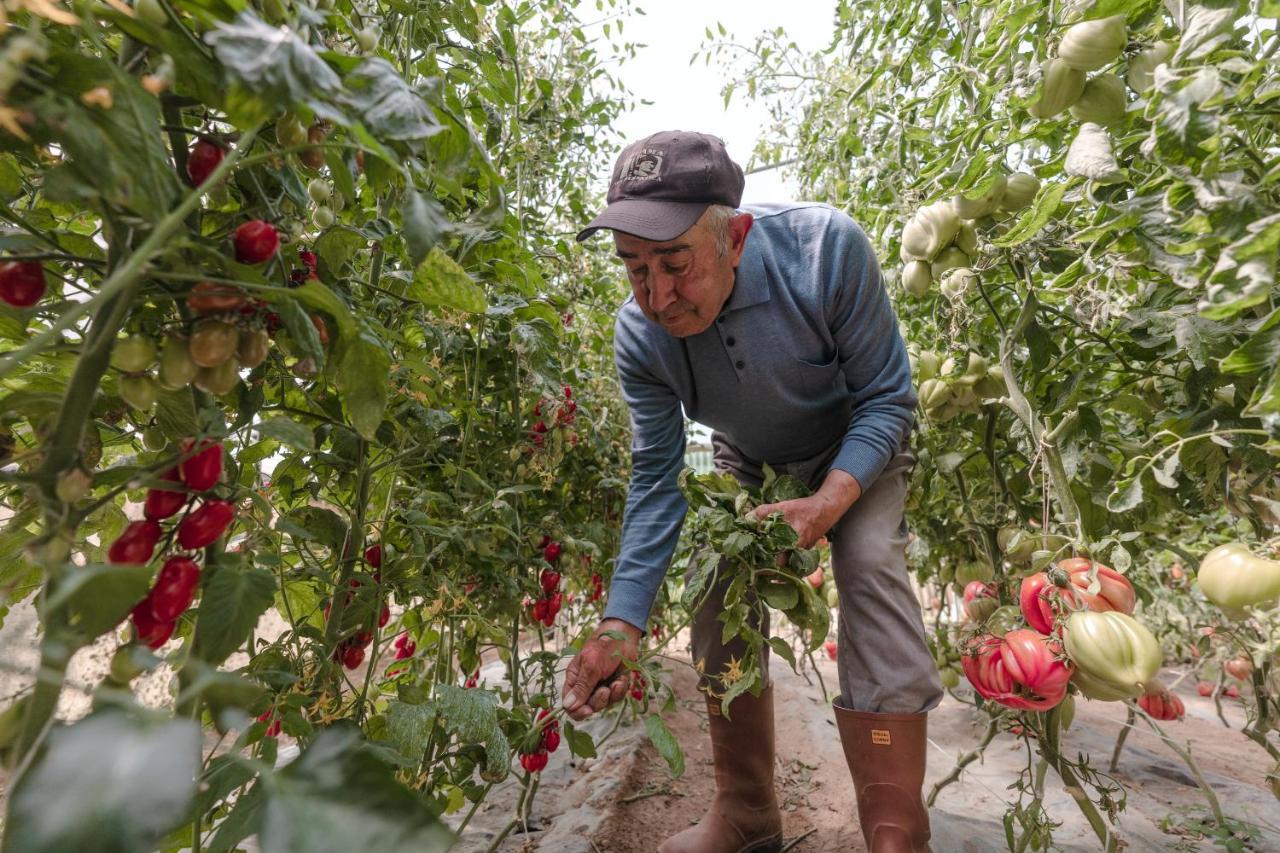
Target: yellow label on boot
(880,737)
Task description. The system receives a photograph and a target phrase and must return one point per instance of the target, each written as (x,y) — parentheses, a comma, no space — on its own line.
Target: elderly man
(771,325)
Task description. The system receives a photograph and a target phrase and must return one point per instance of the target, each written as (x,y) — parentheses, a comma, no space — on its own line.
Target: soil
(625,801)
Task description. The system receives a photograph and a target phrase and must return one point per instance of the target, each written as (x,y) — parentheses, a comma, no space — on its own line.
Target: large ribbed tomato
(979,600)
(1042,601)
(1162,705)
(1233,578)
(1115,656)
(1022,670)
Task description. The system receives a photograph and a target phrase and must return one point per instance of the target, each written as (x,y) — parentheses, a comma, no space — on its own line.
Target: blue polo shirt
(805,353)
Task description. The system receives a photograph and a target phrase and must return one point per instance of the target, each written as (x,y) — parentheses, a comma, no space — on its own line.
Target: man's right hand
(590,684)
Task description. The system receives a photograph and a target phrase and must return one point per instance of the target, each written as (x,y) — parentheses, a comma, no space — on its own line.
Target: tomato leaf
(362,381)
(388,108)
(1041,211)
(440,280)
(275,64)
(121,783)
(666,744)
(97,597)
(424,223)
(232,601)
(580,743)
(287,431)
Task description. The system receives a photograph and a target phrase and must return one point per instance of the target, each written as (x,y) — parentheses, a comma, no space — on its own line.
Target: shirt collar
(751,283)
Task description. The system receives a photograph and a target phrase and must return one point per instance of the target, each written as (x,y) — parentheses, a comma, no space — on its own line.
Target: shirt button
(729,340)
(739,364)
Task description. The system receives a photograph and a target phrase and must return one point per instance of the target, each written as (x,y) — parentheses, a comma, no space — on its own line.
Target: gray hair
(716,219)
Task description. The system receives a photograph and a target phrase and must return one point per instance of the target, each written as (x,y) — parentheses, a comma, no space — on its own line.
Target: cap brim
(649,219)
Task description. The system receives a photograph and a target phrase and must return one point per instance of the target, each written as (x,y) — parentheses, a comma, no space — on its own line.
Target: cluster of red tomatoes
(156,616)
(548,605)
(563,415)
(1025,668)
(351,650)
(549,742)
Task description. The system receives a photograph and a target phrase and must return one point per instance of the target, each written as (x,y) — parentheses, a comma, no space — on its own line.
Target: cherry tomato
(136,544)
(163,503)
(352,656)
(551,553)
(373,556)
(549,579)
(210,298)
(174,588)
(202,160)
(203,527)
(256,241)
(149,630)
(22,283)
(202,471)
(212,342)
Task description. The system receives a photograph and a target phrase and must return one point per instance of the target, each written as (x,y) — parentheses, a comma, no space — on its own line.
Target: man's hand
(591,683)
(813,516)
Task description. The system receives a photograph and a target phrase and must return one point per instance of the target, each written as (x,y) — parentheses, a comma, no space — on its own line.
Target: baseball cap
(663,183)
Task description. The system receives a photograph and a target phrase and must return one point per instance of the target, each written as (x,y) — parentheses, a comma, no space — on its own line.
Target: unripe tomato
(210,298)
(164,503)
(979,600)
(1141,68)
(202,160)
(254,347)
(174,588)
(1102,102)
(134,354)
(1116,657)
(213,342)
(1020,190)
(290,131)
(917,278)
(984,204)
(313,158)
(367,38)
(150,631)
(1234,579)
(319,190)
(22,283)
(1060,87)
(256,241)
(949,677)
(176,367)
(73,484)
(1089,45)
(221,379)
(203,527)
(201,471)
(139,392)
(153,438)
(322,217)
(135,544)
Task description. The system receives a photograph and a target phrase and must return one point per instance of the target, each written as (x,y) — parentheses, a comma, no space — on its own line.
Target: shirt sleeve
(655,508)
(873,356)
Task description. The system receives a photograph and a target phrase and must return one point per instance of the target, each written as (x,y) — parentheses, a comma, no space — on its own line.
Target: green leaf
(362,381)
(424,222)
(110,783)
(783,650)
(1260,352)
(287,431)
(666,744)
(387,106)
(275,64)
(232,601)
(581,743)
(339,796)
(409,727)
(1035,217)
(317,296)
(297,322)
(97,597)
(440,280)
(322,524)
(780,596)
(1127,494)
(335,247)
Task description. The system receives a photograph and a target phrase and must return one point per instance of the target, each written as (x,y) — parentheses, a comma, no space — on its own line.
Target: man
(772,326)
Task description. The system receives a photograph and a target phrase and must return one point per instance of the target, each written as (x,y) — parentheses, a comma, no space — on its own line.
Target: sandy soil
(625,801)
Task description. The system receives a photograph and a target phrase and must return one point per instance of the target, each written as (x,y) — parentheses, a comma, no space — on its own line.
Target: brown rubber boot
(743,816)
(886,756)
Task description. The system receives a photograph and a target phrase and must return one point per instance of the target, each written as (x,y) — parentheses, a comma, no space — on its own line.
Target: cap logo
(644,165)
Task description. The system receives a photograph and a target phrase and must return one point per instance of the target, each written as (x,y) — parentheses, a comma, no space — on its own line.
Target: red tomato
(202,471)
(832,648)
(534,762)
(1162,706)
(407,650)
(1239,668)
(1204,688)
(549,579)
(384,617)
(373,556)
(174,588)
(352,656)
(150,631)
(203,158)
(203,527)
(22,283)
(136,544)
(1022,670)
(1041,601)
(815,579)
(551,553)
(979,600)
(255,241)
(163,503)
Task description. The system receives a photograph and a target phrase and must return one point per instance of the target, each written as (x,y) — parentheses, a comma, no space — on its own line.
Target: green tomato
(974,570)
(323,217)
(950,678)
(917,279)
(290,131)
(133,354)
(140,392)
(151,12)
(1115,655)
(1234,579)
(176,367)
(153,438)
(319,190)
(367,38)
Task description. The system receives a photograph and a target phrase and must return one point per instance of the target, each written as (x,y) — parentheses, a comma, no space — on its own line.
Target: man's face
(683,283)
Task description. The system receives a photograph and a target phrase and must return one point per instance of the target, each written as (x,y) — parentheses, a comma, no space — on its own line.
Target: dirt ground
(625,801)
